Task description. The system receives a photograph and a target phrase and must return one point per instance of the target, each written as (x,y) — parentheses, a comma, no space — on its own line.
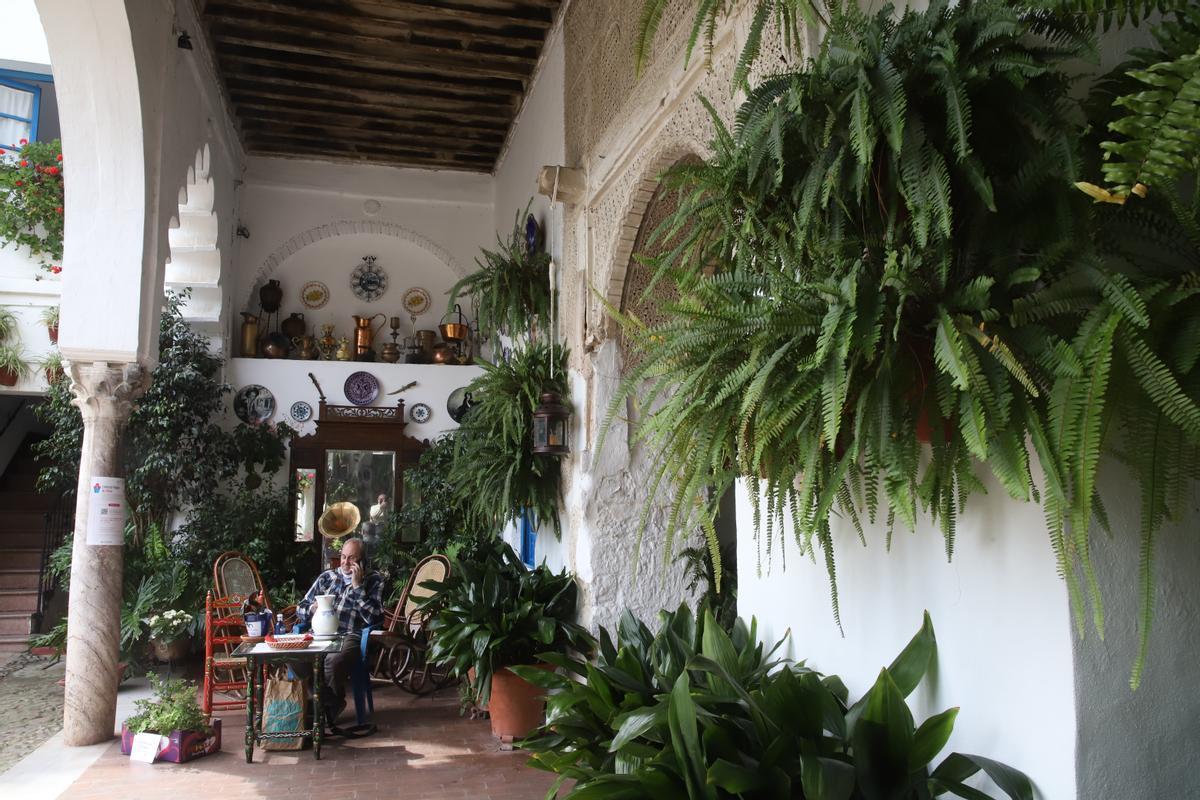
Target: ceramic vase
(325,621)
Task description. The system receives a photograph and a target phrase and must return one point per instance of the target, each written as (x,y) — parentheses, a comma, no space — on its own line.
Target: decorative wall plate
(458,403)
(314,294)
(254,404)
(301,411)
(361,388)
(420,413)
(416,300)
(368,281)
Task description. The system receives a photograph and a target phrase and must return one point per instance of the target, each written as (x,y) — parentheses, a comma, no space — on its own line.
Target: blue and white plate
(301,411)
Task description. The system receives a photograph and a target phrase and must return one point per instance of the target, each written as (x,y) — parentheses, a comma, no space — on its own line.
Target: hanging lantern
(550,426)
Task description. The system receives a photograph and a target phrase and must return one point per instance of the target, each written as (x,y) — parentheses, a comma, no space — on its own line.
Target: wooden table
(259,657)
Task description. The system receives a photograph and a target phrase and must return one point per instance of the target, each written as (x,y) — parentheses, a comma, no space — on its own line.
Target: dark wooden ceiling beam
(262,114)
(254,69)
(318,143)
(350,70)
(372,97)
(468,12)
(372,49)
(341,133)
(267,110)
(316,154)
(348,19)
(325,105)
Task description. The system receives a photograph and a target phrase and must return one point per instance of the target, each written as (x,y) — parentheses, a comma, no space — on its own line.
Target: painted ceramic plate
(420,413)
(301,411)
(314,294)
(254,404)
(368,281)
(458,404)
(416,300)
(361,388)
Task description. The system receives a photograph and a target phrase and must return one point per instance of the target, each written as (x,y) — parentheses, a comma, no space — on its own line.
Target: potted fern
(511,289)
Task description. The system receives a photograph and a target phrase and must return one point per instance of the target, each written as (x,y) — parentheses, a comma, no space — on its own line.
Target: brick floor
(424,749)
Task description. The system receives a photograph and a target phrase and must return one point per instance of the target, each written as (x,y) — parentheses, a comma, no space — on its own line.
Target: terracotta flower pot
(8,377)
(53,334)
(174,650)
(516,706)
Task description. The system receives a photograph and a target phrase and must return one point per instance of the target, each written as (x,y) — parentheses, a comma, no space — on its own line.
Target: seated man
(358,603)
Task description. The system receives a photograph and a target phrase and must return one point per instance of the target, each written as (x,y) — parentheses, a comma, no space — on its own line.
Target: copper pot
(455,331)
(443,353)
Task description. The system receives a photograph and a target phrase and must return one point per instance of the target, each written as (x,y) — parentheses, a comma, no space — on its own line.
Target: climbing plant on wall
(900,256)
(31,201)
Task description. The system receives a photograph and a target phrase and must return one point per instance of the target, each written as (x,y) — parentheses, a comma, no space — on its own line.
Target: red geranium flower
(24,163)
(56,270)
(60,156)
(23,141)
(20,183)
(52,170)
(58,209)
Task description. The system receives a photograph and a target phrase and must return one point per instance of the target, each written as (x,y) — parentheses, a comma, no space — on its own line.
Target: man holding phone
(358,602)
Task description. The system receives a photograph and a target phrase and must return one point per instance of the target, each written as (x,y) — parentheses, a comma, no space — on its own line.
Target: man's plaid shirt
(355,607)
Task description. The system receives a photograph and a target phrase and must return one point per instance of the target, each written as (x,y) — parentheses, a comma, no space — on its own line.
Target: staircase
(22,534)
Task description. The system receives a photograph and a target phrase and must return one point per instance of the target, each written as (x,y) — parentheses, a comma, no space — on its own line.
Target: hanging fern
(899,254)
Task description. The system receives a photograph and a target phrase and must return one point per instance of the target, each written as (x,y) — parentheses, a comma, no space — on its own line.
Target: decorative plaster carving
(106,391)
(346,228)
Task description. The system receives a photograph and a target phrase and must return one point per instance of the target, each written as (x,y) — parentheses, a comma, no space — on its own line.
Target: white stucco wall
(999,610)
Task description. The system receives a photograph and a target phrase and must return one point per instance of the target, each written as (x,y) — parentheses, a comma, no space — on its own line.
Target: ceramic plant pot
(174,650)
(516,706)
(8,377)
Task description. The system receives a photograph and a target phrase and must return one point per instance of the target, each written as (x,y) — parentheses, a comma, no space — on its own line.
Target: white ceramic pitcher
(325,621)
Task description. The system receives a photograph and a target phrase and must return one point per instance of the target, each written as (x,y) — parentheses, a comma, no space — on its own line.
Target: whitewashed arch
(346,228)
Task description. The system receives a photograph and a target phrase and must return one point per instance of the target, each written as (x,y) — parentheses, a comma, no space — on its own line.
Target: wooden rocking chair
(404,638)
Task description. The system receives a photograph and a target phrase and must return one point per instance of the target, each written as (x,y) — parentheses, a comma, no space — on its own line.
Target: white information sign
(106,512)
(146,747)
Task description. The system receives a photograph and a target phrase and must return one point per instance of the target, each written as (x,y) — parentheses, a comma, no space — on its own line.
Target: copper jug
(364,335)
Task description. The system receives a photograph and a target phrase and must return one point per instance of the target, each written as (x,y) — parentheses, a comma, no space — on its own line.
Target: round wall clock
(368,281)
(314,294)
(420,413)
(301,411)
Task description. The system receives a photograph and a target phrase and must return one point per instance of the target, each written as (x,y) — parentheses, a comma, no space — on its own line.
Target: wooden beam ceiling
(425,84)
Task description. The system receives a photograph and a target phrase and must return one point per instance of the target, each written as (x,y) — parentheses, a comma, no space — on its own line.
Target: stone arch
(346,228)
(194,261)
(630,232)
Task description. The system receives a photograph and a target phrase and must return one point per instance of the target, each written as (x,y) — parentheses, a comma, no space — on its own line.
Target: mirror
(366,478)
(306,502)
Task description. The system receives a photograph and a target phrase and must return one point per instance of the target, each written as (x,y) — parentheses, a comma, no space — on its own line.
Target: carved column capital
(105,390)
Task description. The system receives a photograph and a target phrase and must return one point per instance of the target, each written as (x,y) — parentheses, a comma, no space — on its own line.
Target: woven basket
(288,642)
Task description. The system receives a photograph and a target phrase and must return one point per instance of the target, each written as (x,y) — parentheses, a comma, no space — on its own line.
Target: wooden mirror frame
(375,428)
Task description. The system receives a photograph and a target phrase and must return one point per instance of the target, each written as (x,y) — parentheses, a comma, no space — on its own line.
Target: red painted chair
(223,629)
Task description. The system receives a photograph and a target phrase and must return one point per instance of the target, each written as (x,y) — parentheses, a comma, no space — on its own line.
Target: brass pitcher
(364,335)
(249,335)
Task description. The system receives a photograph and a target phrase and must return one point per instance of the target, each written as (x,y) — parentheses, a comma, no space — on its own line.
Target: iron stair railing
(59,520)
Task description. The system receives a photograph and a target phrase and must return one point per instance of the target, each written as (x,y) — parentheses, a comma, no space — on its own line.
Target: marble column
(104,393)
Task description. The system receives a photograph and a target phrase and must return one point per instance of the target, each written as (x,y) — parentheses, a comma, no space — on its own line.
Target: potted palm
(493,613)
(174,712)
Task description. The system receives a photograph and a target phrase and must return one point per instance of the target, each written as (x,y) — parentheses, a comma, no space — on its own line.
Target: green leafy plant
(52,365)
(174,707)
(511,288)
(31,202)
(695,712)
(50,316)
(495,474)
(898,257)
(8,324)
(493,612)
(12,360)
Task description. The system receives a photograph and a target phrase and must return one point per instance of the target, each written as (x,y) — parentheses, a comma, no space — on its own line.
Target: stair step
(19,481)
(19,578)
(20,557)
(23,600)
(13,643)
(29,501)
(21,540)
(16,623)
(22,519)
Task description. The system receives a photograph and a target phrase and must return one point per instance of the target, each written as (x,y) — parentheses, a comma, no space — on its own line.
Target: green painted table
(259,657)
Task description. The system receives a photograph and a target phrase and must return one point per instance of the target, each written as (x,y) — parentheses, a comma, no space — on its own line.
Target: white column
(104,393)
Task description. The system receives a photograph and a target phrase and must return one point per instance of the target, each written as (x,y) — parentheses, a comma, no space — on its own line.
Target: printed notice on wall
(106,511)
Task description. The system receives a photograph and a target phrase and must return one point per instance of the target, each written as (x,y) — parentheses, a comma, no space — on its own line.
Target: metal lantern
(550,426)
